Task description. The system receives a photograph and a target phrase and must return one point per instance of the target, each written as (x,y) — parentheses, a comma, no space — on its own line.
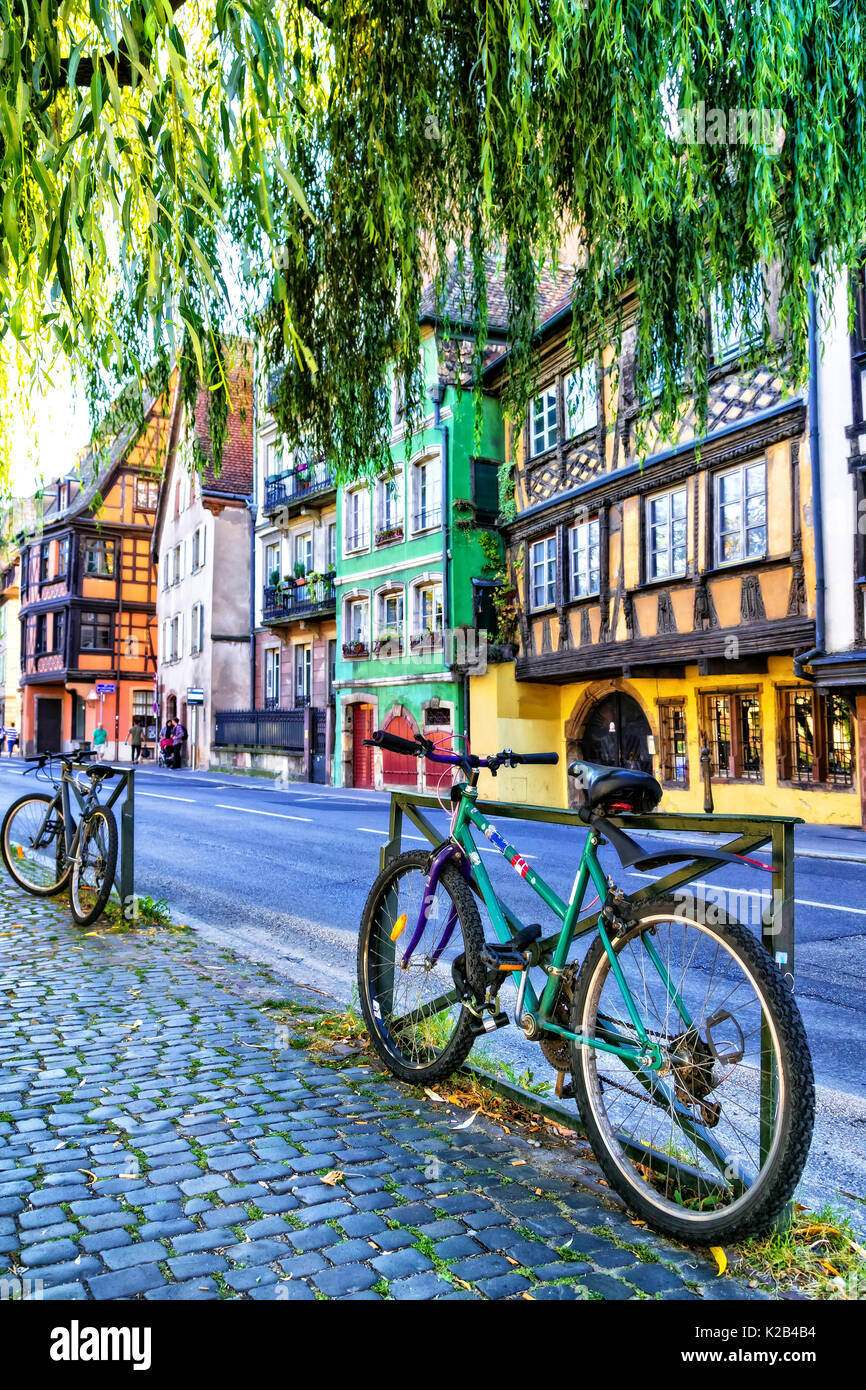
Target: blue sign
(105,687)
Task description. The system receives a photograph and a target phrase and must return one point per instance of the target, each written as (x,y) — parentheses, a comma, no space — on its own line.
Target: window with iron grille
(816,739)
(732,723)
(673,750)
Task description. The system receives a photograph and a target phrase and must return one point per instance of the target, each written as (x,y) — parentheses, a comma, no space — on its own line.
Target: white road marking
(765,893)
(254,811)
(159,796)
(365,830)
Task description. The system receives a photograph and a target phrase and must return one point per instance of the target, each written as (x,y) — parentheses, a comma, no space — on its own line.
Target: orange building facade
(88,602)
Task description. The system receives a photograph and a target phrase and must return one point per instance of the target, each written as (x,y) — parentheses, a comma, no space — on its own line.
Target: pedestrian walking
(10,736)
(133,738)
(100,739)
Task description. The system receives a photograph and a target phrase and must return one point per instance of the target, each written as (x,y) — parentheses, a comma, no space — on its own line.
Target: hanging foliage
(171,170)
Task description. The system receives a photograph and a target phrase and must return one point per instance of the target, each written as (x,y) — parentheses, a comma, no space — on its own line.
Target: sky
(48,445)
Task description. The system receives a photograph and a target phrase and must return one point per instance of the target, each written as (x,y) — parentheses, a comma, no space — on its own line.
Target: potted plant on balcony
(388,535)
(388,642)
(357,647)
(274,579)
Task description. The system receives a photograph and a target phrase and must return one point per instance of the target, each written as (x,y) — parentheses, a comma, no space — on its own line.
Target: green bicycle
(689,1059)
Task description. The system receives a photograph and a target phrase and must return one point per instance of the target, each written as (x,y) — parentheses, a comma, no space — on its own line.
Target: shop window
(817,739)
(732,723)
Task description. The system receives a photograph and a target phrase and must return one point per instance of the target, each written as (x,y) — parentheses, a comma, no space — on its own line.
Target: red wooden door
(399,770)
(362,758)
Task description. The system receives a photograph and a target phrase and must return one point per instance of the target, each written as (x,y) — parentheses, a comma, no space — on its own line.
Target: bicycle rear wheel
(33,845)
(413,1012)
(712,1147)
(93,866)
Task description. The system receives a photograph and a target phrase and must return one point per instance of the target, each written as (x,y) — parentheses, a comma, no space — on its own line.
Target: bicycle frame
(645,1054)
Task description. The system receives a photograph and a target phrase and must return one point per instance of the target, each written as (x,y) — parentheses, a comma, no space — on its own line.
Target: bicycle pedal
(498,957)
(487,1023)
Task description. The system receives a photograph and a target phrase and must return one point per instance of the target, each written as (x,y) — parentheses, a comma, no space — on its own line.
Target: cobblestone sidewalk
(160,1137)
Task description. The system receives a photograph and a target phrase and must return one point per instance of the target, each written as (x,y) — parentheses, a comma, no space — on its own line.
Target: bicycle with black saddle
(688,1056)
(47,848)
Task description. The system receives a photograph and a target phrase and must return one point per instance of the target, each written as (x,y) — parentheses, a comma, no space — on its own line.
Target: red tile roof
(236,473)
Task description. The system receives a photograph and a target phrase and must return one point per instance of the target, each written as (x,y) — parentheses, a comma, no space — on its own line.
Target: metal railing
(261,728)
(296,485)
(299,600)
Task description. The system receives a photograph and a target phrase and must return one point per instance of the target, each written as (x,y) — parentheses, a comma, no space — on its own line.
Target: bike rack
(750,832)
(124,880)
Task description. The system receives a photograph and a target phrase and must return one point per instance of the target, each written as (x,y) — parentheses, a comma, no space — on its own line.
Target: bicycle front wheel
(93,866)
(711,1147)
(33,845)
(412,1008)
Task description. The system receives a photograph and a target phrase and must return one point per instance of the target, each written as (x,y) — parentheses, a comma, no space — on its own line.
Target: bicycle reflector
(398,927)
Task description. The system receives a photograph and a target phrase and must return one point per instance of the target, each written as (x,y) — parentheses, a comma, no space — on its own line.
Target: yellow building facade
(660,603)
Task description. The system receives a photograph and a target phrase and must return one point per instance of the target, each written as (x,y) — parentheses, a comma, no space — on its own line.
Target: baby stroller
(164,752)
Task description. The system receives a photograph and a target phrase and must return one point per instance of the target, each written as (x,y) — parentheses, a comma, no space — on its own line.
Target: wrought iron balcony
(298,485)
(283,603)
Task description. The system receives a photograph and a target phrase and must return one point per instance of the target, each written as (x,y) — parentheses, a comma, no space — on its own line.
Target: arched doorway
(616,733)
(398,769)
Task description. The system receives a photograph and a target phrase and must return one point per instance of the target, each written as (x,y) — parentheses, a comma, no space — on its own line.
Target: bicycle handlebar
(422,747)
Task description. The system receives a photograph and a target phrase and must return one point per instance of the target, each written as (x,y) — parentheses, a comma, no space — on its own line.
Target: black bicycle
(47,849)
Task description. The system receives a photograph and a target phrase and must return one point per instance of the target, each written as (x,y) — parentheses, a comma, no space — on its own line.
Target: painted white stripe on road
(159,796)
(254,811)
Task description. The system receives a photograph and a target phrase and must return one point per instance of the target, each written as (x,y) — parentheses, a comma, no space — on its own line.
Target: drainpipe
(251,503)
(437,394)
(817,508)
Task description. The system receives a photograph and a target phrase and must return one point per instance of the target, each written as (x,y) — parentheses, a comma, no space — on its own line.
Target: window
(146,494)
(581,401)
(177,500)
(176,637)
(357,513)
(427,508)
(389,626)
(3,620)
(40,643)
(273,459)
(303,554)
(177,564)
(666,534)
(303,673)
(389,511)
(734,332)
(542,422)
(273,566)
(95,632)
(733,725)
(542,573)
(2,668)
(585,564)
(63,558)
(428,614)
(741,514)
(331,545)
(196,636)
(198,547)
(817,739)
(44,552)
(143,716)
(166,569)
(356,628)
(673,752)
(59,631)
(272,678)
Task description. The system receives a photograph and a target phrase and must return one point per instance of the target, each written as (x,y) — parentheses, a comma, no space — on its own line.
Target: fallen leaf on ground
(720,1258)
(467,1123)
(87,1173)
(440,1100)
(511,1260)
(331,1179)
(530,1296)
(518,1162)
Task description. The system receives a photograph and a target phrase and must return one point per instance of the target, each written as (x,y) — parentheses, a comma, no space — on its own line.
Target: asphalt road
(281,873)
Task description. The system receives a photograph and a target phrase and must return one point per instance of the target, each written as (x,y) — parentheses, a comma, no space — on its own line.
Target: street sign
(194,696)
(105,687)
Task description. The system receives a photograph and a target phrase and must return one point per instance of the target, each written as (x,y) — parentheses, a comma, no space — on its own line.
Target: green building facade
(414,578)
